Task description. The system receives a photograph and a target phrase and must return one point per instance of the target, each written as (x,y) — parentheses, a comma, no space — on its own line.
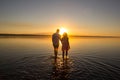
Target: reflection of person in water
(55,39)
(60,70)
(65,44)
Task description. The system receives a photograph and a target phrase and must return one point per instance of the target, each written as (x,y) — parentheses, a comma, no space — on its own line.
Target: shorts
(55,46)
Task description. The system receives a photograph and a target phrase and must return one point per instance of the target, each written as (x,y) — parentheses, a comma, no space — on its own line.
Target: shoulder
(62,38)
(67,39)
(58,35)
(53,34)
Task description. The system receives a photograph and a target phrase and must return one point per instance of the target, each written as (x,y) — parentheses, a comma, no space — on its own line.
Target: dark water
(32,59)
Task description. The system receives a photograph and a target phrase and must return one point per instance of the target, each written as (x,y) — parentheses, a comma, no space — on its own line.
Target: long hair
(65,34)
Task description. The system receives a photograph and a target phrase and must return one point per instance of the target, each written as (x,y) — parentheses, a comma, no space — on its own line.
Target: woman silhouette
(65,44)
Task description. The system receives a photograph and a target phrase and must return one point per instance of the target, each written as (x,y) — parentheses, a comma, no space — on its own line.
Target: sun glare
(62,30)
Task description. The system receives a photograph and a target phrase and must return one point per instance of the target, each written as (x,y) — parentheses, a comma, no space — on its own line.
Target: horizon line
(36,35)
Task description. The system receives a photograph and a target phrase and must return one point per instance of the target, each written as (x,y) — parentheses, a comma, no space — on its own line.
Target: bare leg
(63,54)
(55,52)
(55,60)
(66,53)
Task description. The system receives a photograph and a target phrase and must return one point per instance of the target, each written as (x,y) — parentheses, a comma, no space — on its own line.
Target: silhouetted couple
(56,37)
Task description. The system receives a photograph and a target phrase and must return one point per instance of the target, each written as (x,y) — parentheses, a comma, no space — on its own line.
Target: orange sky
(79,17)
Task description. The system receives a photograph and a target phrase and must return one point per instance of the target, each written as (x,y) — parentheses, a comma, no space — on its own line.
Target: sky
(79,17)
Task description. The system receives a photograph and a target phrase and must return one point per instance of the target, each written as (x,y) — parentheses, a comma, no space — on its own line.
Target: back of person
(65,43)
(55,39)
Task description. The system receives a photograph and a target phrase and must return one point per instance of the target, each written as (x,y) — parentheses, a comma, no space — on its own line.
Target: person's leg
(63,54)
(55,60)
(55,52)
(66,53)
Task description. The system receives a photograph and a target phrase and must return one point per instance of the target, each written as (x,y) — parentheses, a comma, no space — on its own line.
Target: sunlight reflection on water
(32,58)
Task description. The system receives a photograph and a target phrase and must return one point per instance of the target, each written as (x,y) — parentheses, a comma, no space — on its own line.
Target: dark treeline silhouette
(23,35)
(43,35)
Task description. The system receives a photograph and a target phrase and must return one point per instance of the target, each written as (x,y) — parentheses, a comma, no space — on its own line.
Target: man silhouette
(55,40)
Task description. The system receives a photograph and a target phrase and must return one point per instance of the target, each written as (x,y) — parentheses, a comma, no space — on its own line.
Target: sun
(62,30)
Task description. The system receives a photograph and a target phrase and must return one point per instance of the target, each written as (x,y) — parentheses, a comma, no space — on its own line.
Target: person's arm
(60,37)
(68,43)
(61,40)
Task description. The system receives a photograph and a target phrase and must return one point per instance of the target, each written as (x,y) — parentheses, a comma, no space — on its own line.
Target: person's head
(57,31)
(65,34)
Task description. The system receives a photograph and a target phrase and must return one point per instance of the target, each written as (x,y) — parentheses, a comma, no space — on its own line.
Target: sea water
(33,59)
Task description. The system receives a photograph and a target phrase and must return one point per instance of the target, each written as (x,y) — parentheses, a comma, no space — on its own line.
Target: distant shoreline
(39,35)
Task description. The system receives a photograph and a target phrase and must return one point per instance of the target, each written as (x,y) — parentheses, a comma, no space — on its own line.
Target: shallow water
(32,59)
